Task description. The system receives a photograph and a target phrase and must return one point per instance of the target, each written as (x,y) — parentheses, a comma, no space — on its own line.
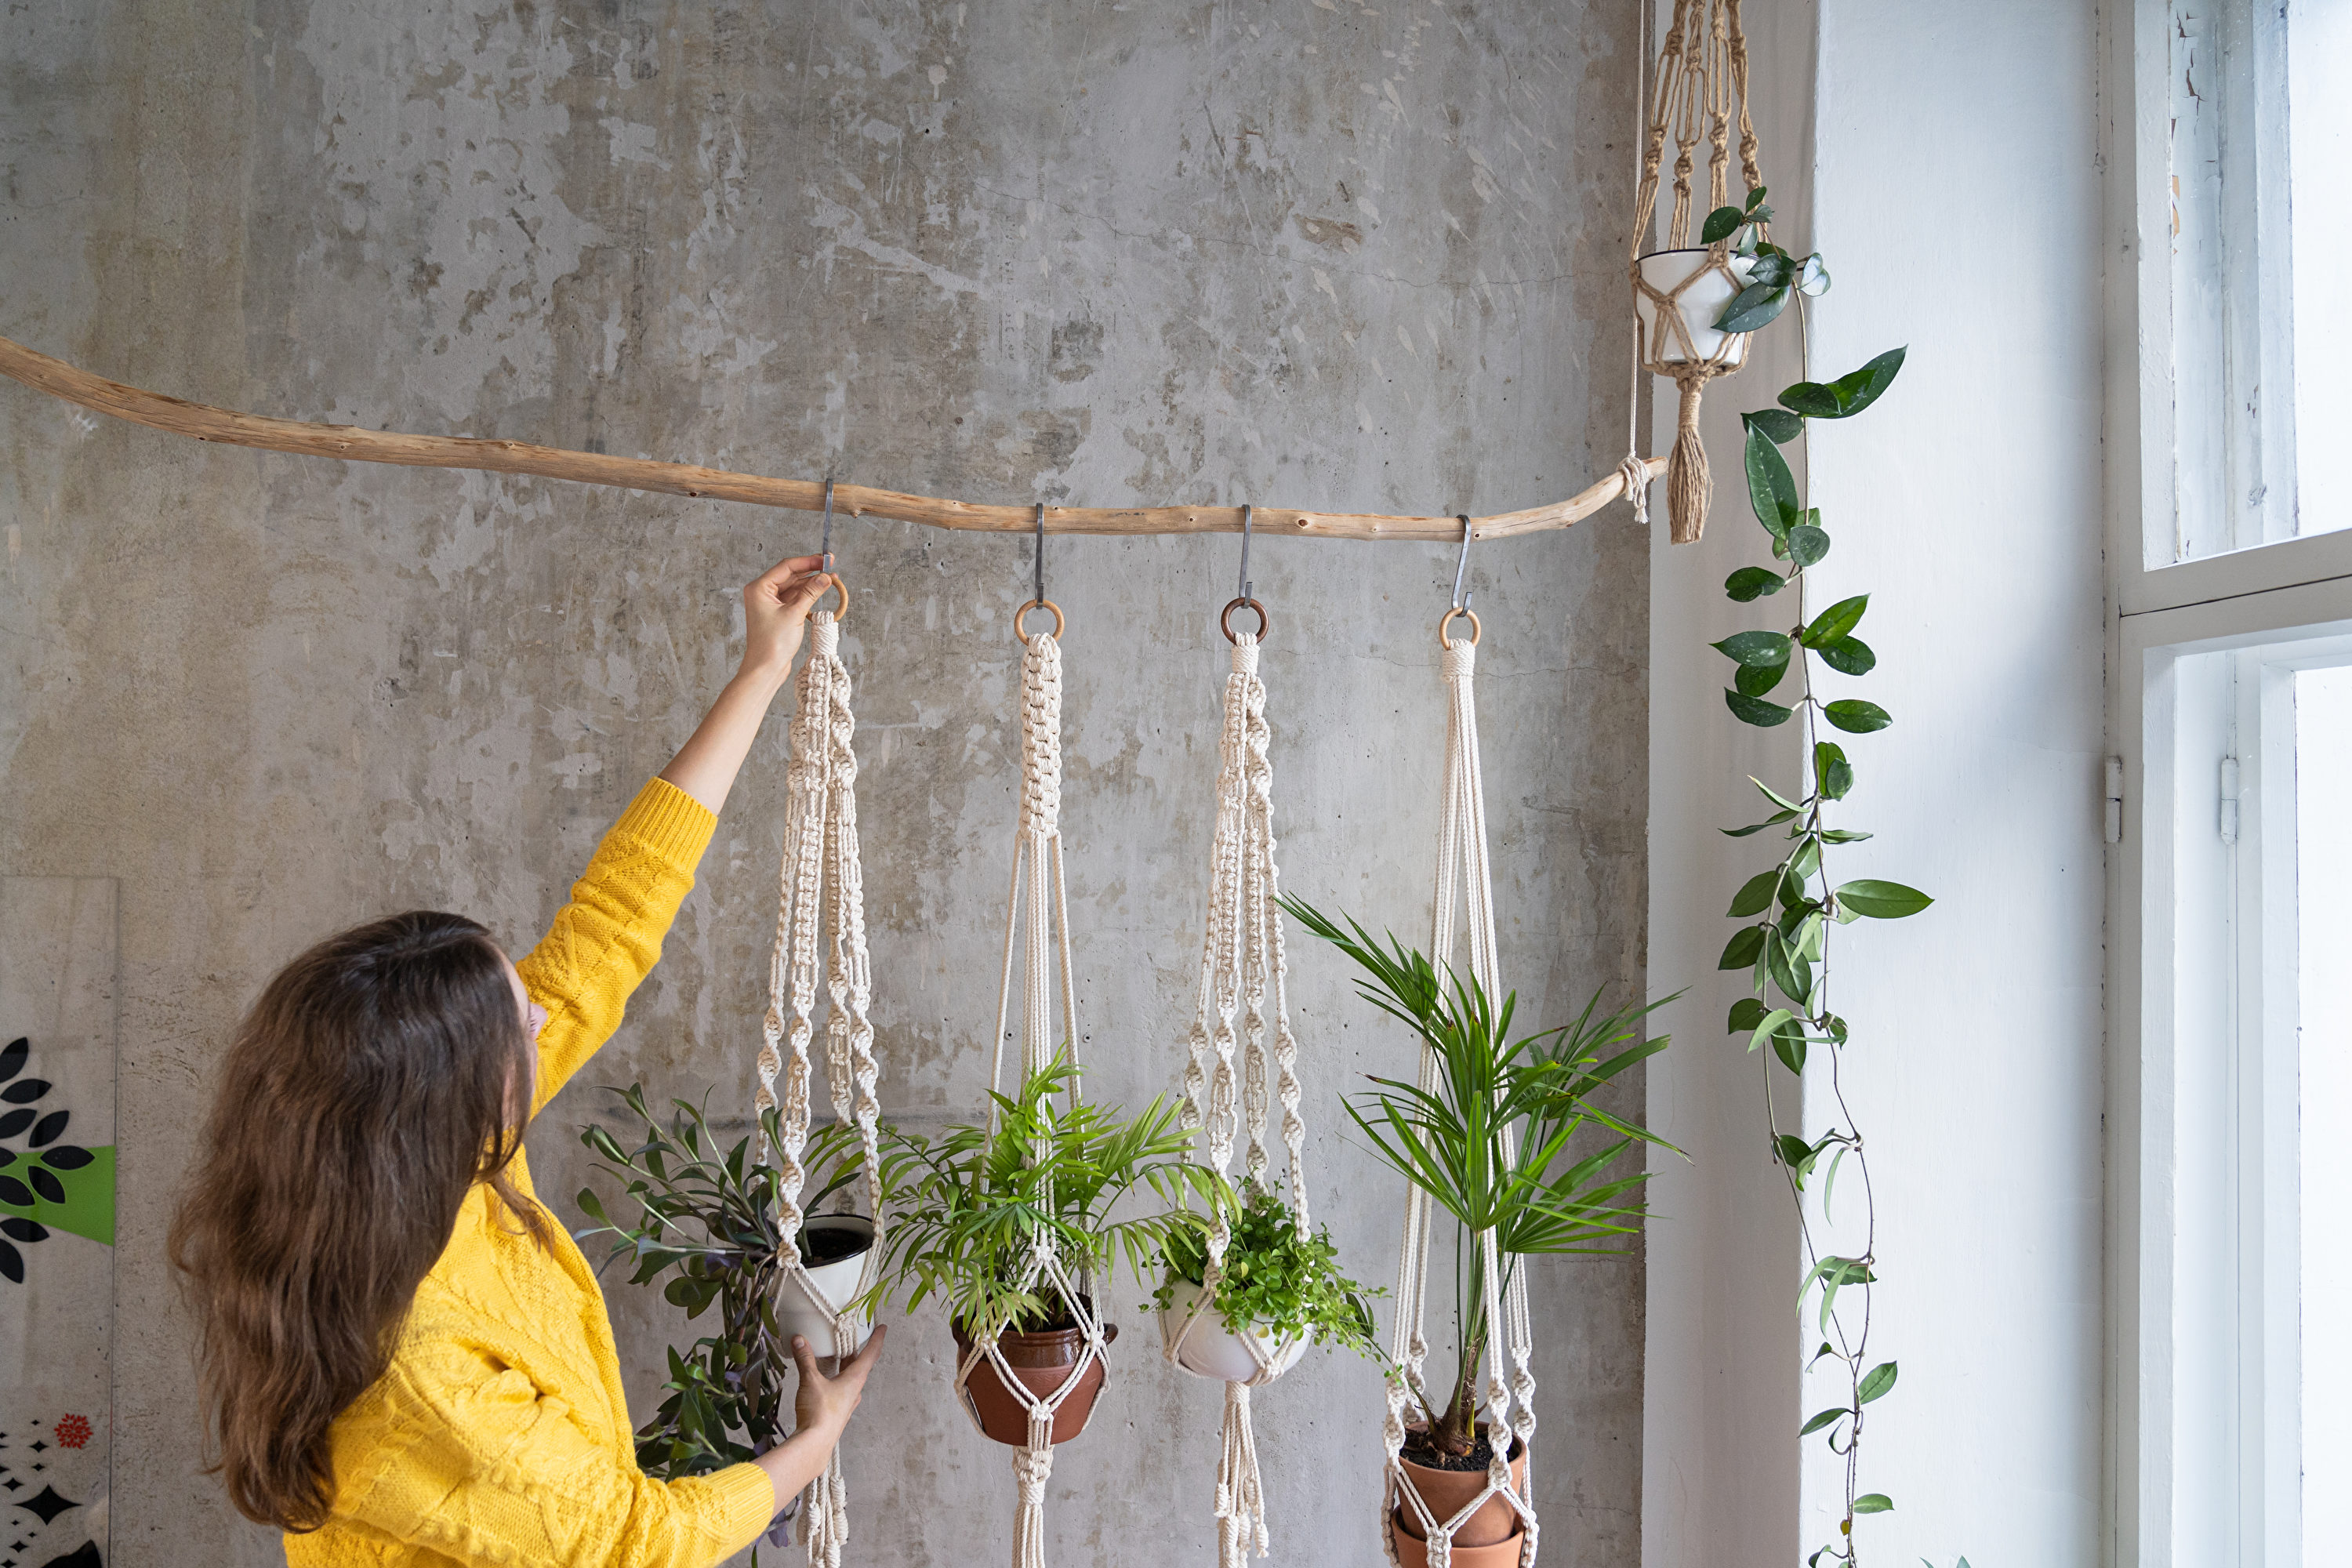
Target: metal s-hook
(1244,602)
(1461,604)
(824,544)
(1040,602)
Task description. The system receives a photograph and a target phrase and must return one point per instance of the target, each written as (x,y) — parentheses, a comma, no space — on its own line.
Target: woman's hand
(776,607)
(825,1403)
(820,1410)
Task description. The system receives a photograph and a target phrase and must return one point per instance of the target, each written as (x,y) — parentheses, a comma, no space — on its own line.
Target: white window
(2230,658)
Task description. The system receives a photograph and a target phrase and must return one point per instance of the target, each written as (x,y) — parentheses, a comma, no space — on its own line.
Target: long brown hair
(379,1077)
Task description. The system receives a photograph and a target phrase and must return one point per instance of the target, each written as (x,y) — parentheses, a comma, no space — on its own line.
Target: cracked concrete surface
(1313,253)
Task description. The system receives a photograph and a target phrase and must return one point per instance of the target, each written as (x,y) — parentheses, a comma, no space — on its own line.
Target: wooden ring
(839,587)
(1448,619)
(1021,635)
(1225,621)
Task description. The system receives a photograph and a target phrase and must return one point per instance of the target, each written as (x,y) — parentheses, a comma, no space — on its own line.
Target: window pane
(2319,75)
(2323,710)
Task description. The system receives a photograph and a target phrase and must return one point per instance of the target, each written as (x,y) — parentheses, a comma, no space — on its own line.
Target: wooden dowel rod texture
(229,427)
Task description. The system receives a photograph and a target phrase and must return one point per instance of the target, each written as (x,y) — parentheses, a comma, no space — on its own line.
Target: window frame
(2265,608)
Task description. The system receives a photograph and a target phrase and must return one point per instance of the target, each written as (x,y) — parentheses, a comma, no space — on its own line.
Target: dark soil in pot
(1042,1360)
(826,1241)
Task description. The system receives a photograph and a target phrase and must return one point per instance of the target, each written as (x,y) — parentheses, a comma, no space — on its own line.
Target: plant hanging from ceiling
(1794,906)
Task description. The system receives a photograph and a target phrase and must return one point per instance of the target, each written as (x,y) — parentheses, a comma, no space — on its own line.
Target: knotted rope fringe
(1034,931)
(1464,878)
(820,853)
(1242,959)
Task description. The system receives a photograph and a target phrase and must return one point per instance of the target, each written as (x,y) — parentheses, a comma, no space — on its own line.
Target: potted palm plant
(709,1217)
(1282,1289)
(974,1203)
(1506,1140)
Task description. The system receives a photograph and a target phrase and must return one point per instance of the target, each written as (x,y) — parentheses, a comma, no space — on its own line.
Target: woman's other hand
(775,608)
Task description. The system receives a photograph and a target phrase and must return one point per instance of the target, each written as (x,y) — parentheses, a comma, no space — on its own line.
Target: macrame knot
(824,635)
(1461,660)
(1041,738)
(1245,654)
(1636,472)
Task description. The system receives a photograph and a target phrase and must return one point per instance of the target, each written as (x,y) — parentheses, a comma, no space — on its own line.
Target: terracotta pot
(1042,1363)
(1448,1492)
(1413,1552)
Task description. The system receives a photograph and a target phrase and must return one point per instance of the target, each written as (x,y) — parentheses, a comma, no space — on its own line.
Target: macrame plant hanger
(1700,94)
(1037,941)
(820,870)
(1464,884)
(1241,967)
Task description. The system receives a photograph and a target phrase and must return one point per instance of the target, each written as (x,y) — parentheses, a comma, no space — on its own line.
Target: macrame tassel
(1241,1500)
(1690,486)
(827,1509)
(1033,1467)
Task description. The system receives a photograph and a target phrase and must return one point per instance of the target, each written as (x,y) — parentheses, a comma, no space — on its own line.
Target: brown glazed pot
(1496,1525)
(1042,1363)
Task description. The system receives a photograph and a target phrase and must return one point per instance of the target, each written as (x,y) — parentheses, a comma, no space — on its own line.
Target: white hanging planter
(1704,295)
(836,1280)
(1214,1351)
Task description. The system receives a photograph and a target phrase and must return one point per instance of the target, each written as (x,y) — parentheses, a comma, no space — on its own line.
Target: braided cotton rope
(1242,962)
(1037,935)
(820,853)
(1464,878)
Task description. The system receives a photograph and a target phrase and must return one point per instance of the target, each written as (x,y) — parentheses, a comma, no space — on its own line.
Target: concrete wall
(1321,254)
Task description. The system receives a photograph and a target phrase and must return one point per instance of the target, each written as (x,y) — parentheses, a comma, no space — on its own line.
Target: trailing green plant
(968,1207)
(707,1215)
(1794,906)
(1275,1281)
(1773,274)
(1496,1143)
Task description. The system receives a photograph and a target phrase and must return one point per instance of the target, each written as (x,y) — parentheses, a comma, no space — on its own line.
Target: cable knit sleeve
(479,1466)
(609,936)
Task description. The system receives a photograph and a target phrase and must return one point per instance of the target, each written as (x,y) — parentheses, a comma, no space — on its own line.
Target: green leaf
(1779,423)
(1771,1024)
(1882,900)
(1789,1045)
(1813,279)
(1755,200)
(1758,305)
(1807,544)
(1832,774)
(1836,621)
(1847,655)
(1872,1503)
(1721,223)
(1775,796)
(1757,680)
(1755,711)
(1773,821)
(1877,1381)
(1857,390)
(1754,895)
(1822,1420)
(1856,717)
(1742,951)
(1756,649)
(1844,836)
(1771,489)
(1746,1014)
(1750,582)
(1811,399)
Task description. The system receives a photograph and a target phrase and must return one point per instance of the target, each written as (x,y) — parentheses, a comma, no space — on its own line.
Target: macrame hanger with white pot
(1700,95)
(1465,887)
(1243,969)
(1038,943)
(820,869)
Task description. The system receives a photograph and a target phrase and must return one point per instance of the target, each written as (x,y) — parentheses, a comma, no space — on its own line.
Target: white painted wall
(1954,190)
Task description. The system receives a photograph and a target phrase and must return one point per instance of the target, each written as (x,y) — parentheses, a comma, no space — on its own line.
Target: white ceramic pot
(836,1281)
(1211,1350)
(1700,304)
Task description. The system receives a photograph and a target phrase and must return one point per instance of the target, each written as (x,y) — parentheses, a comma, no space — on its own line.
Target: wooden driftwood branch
(229,427)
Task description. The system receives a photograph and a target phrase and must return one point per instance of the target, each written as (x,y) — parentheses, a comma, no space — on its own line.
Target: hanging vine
(1795,906)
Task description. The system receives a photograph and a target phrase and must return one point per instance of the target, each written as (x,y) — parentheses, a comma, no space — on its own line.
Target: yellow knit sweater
(500,1434)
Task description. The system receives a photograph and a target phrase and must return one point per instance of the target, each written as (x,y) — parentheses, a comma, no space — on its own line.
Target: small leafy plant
(709,1218)
(969,1206)
(1275,1282)
(1772,272)
(1495,1143)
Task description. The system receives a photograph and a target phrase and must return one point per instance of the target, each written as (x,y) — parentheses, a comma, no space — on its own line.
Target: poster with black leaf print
(56,1218)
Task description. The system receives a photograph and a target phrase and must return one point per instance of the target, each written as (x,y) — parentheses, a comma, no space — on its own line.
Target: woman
(406,1360)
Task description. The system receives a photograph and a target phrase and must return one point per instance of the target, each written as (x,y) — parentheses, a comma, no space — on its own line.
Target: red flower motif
(72,1431)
